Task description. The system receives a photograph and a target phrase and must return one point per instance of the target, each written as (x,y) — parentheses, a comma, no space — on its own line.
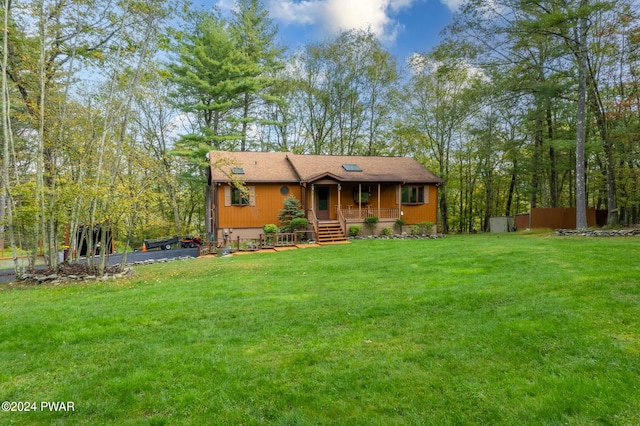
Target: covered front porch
(355,201)
(352,202)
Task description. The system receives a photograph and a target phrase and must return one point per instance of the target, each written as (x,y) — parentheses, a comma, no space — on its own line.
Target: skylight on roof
(351,167)
(237,170)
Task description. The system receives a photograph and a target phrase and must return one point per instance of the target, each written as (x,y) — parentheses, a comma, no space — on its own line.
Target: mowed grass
(489,329)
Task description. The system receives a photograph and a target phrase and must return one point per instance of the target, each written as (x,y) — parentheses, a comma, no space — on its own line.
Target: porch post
(378,201)
(360,200)
(313,198)
(339,190)
(399,200)
(303,197)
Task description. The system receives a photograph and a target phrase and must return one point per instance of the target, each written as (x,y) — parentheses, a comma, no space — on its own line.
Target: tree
(6,208)
(569,23)
(439,101)
(207,84)
(154,122)
(561,43)
(51,43)
(254,35)
(580,49)
(312,100)
(292,210)
(345,95)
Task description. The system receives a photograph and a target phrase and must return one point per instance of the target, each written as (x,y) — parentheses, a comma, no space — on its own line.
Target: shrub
(299,224)
(414,229)
(292,211)
(425,228)
(370,223)
(270,229)
(386,231)
(355,230)
(400,223)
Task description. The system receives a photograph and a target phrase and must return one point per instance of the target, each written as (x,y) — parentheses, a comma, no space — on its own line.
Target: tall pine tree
(254,34)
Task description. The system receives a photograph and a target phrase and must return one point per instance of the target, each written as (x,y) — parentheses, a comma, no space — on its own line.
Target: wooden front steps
(330,232)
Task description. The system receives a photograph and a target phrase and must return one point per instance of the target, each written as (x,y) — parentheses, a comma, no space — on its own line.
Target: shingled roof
(256,166)
(289,167)
(369,169)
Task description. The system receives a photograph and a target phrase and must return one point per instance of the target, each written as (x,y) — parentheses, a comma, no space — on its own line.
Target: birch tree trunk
(6,204)
(581,196)
(40,232)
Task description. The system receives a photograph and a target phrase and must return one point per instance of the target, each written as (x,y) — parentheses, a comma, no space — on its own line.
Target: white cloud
(288,11)
(453,5)
(226,4)
(333,16)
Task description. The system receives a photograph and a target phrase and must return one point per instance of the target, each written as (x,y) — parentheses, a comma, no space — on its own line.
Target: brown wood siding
(388,196)
(268,203)
(427,212)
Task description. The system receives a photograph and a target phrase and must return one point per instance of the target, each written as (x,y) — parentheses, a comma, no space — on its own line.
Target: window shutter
(426,194)
(227,196)
(252,195)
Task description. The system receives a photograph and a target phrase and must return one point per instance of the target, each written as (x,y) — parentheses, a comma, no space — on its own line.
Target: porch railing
(355,213)
(280,239)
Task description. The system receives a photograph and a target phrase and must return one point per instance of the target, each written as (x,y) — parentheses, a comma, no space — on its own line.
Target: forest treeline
(110,108)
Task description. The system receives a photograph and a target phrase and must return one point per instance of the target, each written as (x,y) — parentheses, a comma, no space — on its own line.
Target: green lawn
(489,329)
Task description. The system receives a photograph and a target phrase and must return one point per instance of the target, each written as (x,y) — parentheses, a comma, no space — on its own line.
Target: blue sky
(403,26)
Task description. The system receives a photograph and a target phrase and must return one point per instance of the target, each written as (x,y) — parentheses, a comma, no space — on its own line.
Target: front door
(322,203)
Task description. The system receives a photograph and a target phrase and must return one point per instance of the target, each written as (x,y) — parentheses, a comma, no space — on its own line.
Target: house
(334,191)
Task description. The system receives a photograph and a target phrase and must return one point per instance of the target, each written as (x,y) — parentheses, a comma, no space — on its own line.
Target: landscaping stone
(79,272)
(598,233)
(67,273)
(403,236)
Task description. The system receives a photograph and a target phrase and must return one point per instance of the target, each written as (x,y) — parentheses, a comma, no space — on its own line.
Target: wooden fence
(559,218)
(281,239)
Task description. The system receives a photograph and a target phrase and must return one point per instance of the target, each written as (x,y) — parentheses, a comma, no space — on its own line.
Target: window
(351,167)
(364,195)
(237,170)
(413,195)
(238,198)
(234,197)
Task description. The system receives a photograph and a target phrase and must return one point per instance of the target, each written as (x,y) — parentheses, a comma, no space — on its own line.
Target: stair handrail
(343,222)
(311,217)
